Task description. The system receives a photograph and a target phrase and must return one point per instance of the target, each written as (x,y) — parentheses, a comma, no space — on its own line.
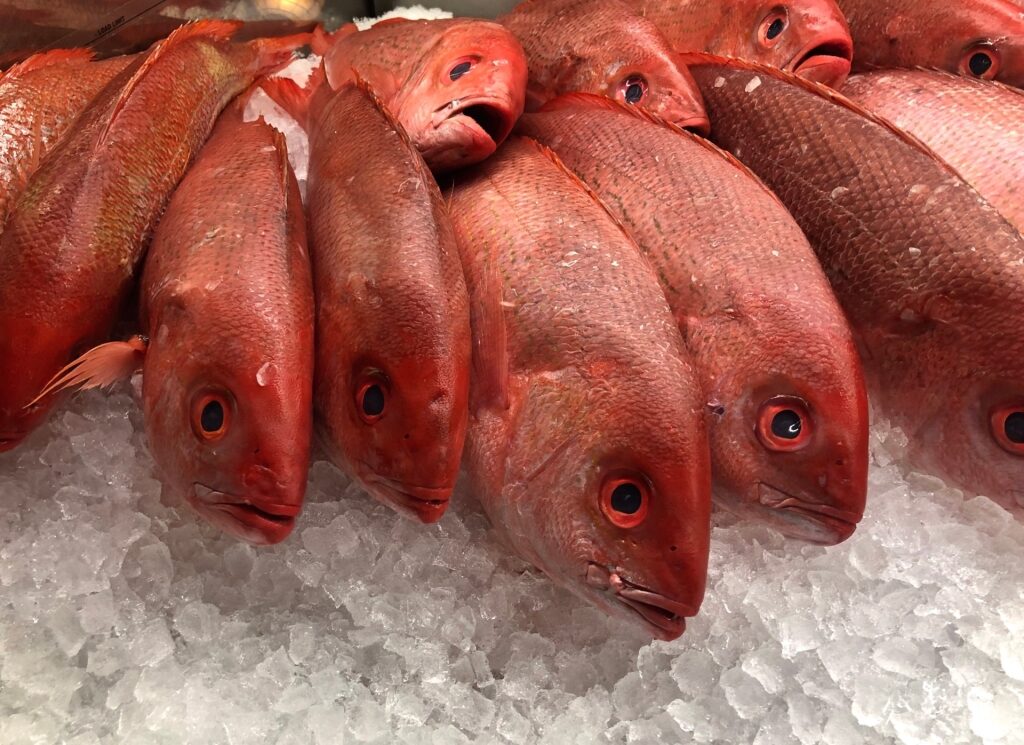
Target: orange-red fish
(39,99)
(70,248)
(603,47)
(393,339)
(587,443)
(788,420)
(976,38)
(457,86)
(808,37)
(928,272)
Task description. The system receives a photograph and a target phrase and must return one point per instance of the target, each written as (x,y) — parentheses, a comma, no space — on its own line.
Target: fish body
(770,342)
(71,246)
(929,105)
(807,37)
(587,444)
(926,270)
(39,99)
(975,38)
(227,303)
(605,48)
(393,337)
(456,86)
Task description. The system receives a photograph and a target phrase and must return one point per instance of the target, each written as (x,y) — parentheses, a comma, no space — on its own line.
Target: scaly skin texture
(934,106)
(70,248)
(814,41)
(603,47)
(929,274)
(392,310)
(580,378)
(753,306)
(227,297)
(454,123)
(39,100)
(938,34)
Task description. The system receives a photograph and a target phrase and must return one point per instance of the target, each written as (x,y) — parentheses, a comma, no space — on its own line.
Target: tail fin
(287,94)
(100,366)
(323,41)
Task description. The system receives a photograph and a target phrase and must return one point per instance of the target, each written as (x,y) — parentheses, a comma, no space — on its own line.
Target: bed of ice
(123,619)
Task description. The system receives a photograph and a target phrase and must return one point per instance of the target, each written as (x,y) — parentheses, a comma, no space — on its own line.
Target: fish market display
(39,99)
(932,106)
(457,86)
(603,47)
(587,444)
(782,381)
(392,363)
(976,38)
(69,250)
(806,37)
(926,270)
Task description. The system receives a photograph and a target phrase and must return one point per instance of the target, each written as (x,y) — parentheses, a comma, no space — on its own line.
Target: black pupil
(776,28)
(373,401)
(634,92)
(1014,427)
(786,424)
(212,418)
(980,63)
(459,70)
(626,498)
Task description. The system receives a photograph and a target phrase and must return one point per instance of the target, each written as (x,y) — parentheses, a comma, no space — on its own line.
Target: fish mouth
(10,441)
(699,125)
(825,62)
(485,116)
(425,503)
(662,616)
(809,521)
(271,521)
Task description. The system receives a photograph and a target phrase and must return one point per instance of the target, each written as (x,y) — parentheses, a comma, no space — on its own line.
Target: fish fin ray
(101,366)
(275,52)
(292,97)
(323,41)
(47,59)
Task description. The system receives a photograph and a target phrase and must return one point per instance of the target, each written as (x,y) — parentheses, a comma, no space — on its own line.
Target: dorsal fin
(323,41)
(48,59)
(211,29)
(99,367)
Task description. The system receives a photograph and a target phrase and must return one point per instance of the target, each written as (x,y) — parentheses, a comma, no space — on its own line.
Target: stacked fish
(600,316)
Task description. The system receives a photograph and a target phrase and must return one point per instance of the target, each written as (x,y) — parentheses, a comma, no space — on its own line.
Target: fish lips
(827,62)
(663,617)
(809,521)
(483,121)
(424,503)
(262,523)
(10,440)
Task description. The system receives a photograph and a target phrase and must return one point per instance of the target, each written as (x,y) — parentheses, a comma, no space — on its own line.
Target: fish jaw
(424,503)
(258,522)
(663,617)
(809,521)
(824,60)
(464,131)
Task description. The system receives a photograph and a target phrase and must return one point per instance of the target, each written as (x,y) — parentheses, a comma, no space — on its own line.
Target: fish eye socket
(460,68)
(1008,428)
(625,499)
(211,416)
(784,424)
(980,62)
(633,89)
(772,27)
(371,399)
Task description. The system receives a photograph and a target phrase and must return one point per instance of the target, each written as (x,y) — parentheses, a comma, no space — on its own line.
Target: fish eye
(772,26)
(784,424)
(372,398)
(625,498)
(1008,428)
(211,416)
(981,61)
(460,68)
(633,89)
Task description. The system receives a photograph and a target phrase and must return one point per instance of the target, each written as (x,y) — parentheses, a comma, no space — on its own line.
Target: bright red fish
(70,248)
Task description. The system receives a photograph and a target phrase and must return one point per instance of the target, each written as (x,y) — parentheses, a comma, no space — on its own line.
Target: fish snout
(809,520)
(663,616)
(256,521)
(424,503)
(826,59)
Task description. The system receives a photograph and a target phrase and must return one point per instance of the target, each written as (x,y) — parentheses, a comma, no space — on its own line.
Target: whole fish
(924,103)
(393,339)
(457,86)
(587,444)
(70,248)
(603,47)
(807,37)
(39,99)
(788,418)
(975,38)
(926,270)
(227,305)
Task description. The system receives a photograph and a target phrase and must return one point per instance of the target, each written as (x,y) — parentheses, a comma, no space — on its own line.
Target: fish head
(788,419)
(611,504)
(991,44)
(229,428)
(807,37)
(465,96)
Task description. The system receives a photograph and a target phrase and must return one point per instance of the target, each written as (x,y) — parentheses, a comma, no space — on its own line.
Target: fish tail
(323,41)
(275,52)
(294,99)
(99,367)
